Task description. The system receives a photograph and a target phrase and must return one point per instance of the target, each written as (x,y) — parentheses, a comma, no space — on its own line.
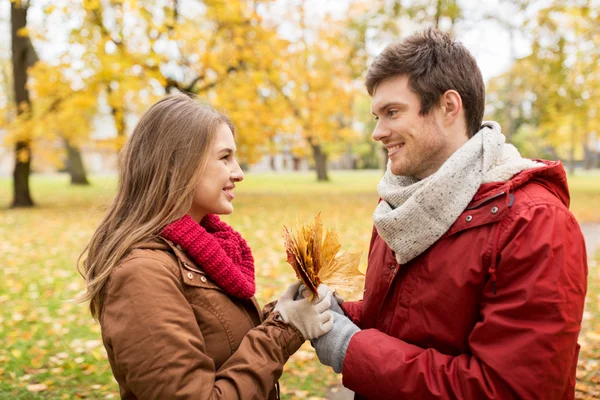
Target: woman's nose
(237,175)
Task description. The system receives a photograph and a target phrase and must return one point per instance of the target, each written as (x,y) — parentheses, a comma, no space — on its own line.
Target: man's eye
(391,113)
(376,118)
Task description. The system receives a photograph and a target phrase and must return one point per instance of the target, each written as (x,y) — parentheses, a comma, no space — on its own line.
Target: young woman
(172,285)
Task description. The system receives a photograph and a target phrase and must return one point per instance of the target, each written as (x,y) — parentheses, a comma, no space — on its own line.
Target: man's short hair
(434,63)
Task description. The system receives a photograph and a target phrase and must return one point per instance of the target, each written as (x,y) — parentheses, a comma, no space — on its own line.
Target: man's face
(417,145)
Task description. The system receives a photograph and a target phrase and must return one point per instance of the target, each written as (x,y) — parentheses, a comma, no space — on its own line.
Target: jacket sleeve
(525,343)
(151,331)
(268,309)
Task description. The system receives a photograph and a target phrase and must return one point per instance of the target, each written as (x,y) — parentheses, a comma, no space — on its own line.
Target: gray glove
(331,348)
(336,299)
(312,319)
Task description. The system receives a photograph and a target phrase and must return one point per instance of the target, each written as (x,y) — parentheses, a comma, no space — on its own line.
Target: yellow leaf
(23,32)
(38,387)
(37,362)
(23,155)
(315,260)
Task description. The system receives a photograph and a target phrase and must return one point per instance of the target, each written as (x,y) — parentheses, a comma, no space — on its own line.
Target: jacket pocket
(195,277)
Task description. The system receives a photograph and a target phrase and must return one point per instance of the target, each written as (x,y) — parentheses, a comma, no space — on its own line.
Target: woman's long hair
(158,170)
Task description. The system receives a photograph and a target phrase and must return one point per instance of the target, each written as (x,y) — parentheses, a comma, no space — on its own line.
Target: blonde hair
(158,169)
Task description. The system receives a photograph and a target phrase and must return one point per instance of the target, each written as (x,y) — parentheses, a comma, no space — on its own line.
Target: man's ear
(451,105)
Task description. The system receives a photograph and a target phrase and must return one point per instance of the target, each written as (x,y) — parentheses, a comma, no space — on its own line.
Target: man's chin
(398,170)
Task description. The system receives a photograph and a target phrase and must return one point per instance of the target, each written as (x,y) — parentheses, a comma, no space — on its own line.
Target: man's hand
(331,348)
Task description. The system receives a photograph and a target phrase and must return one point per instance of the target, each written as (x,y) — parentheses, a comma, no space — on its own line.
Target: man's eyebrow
(381,108)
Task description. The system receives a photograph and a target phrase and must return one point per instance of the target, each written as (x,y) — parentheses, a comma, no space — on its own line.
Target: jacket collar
(493,200)
(183,260)
(552,176)
(166,245)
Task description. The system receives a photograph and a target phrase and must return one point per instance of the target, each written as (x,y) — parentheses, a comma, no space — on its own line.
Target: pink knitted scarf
(221,252)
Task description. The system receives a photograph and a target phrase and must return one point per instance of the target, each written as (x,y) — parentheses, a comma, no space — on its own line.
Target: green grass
(585,196)
(588,367)
(45,339)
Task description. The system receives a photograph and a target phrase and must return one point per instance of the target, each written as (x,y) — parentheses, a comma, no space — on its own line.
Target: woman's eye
(225,157)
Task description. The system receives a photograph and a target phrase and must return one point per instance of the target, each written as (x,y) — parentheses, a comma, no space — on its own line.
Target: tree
(316,82)
(556,83)
(63,113)
(23,57)
(134,52)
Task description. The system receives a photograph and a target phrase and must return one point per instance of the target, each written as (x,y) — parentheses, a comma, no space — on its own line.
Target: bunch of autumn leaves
(315,260)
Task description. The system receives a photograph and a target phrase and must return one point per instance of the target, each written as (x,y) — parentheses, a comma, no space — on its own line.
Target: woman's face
(214,189)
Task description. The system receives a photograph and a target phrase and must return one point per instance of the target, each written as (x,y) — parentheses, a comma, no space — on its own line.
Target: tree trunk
(23,56)
(21,195)
(320,162)
(75,165)
(590,157)
(118,114)
(438,14)
(296,163)
(571,167)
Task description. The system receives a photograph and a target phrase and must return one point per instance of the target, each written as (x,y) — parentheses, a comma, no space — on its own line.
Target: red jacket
(492,310)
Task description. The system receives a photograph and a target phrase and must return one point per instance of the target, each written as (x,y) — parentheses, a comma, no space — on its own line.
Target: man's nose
(380,131)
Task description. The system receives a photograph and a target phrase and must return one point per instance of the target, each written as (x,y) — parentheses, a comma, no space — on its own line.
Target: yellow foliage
(316,260)
(23,32)
(23,155)
(555,88)
(126,54)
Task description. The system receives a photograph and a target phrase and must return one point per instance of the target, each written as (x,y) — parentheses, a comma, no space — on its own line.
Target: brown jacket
(172,333)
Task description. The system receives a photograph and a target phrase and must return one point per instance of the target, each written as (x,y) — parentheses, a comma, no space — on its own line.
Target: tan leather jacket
(172,333)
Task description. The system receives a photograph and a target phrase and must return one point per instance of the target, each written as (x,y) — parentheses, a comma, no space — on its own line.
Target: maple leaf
(316,260)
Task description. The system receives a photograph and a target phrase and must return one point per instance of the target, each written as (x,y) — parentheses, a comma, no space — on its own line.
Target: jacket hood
(552,176)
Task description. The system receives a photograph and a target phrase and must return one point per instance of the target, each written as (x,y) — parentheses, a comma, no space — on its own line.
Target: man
(477,271)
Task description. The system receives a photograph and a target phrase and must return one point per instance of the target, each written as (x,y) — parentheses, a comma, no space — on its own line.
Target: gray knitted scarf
(414,214)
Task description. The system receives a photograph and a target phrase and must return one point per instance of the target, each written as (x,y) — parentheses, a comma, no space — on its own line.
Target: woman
(173,286)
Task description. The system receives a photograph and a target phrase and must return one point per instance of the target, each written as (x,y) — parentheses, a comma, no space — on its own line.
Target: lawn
(50,347)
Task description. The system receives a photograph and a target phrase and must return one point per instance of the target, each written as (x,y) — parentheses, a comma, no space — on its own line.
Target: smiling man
(477,270)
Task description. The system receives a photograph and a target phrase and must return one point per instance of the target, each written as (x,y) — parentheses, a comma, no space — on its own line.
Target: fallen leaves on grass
(42,333)
(36,387)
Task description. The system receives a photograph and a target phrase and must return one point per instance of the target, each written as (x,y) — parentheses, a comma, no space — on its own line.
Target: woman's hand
(336,299)
(312,319)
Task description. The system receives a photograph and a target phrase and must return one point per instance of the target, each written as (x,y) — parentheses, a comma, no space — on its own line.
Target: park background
(76,75)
